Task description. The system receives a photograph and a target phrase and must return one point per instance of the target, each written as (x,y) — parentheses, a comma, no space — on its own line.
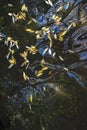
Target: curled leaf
(61,34)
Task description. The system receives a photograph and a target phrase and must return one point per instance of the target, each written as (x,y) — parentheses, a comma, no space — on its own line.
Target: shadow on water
(45,88)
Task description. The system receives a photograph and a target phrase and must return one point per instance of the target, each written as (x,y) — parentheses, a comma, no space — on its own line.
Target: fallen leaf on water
(61,34)
(26,62)
(32,49)
(74,24)
(24,54)
(24,8)
(42,62)
(49,2)
(45,68)
(30,98)
(30,30)
(20,16)
(39,74)
(25,76)
(55,36)
(12,60)
(50,39)
(45,51)
(59,9)
(60,57)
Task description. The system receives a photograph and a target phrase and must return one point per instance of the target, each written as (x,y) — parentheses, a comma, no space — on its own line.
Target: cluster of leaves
(13,45)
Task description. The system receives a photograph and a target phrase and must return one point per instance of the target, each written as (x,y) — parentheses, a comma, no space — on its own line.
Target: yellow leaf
(60,39)
(24,54)
(32,49)
(42,62)
(74,24)
(62,33)
(38,32)
(39,74)
(9,38)
(25,76)
(30,98)
(12,60)
(20,16)
(30,30)
(55,36)
(45,68)
(49,37)
(46,29)
(38,36)
(24,8)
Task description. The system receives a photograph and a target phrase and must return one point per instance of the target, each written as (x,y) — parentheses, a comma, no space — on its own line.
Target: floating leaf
(24,8)
(59,9)
(50,51)
(61,34)
(74,24)
(25,76)
(60,57)
(45,29)
(66,6)
(45,68)
(24,54)
(11,42)
(42,62)
(49,37)
(32,49)
(20,16)
(30,98)
(49,2)
(26,62)
(55,36)
(30,30)
(45,51)
(12,60)
(10,52)
(39,74)
(38,36)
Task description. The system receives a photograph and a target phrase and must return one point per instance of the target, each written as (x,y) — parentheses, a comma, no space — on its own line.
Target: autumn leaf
(12,60)
(24,8)
(24,54)
(25,76)
(30,98)
(32,49)
(50,39)
(29,30)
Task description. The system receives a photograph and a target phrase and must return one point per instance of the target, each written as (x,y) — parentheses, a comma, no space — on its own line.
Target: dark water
(55,95)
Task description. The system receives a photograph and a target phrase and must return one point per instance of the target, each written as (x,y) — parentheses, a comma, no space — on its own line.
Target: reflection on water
(56,66)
